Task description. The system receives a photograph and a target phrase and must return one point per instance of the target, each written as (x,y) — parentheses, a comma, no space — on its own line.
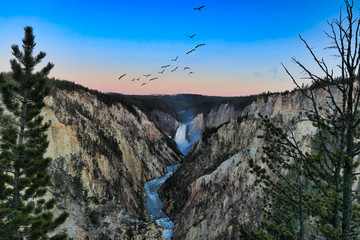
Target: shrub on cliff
(24,178)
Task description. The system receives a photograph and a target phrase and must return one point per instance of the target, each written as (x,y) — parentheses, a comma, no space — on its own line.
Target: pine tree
(314,191)
(24,178)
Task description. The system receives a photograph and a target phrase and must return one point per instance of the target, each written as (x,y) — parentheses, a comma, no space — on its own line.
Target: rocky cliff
(212,192)
(165,122)
(102,156)
(217,116)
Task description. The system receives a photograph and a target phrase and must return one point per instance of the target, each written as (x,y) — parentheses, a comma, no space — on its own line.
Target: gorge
(106,149)
(154,204)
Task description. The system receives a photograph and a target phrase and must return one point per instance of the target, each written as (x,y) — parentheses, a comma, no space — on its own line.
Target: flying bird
(133,79)
(138,79)
(186,68)
(162,71)
(191,36)
(165,66)
(191,51)
(174,69)
(146,75)
(152,79)
(191,73)
(175,58)
(143,84)
(202,44)
(199,8)
(122,76)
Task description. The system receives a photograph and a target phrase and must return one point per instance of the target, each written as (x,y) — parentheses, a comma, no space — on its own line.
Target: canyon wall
(165,122)
(212,192)
(215,117)
(102,156)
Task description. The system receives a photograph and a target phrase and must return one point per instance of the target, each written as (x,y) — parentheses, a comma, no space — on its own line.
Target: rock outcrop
(165,122)
(102,156)
(212,192)
(214,118)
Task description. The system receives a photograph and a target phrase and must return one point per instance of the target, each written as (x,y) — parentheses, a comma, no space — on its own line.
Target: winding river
(153,202)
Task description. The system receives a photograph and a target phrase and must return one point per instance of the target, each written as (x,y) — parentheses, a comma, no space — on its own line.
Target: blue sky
(93,42)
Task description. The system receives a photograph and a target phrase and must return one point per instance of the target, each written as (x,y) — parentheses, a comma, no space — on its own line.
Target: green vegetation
(208,132)
(24,178)
(309,189)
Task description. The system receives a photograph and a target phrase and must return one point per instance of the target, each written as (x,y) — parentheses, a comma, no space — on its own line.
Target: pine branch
(8,143)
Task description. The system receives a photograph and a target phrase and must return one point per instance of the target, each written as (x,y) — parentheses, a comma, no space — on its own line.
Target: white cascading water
(180,138)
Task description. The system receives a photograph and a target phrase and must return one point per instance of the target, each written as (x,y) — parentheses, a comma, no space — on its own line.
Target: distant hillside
(187,106)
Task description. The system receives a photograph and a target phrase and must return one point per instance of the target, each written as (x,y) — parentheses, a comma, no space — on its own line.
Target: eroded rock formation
(212,192)
(102,156)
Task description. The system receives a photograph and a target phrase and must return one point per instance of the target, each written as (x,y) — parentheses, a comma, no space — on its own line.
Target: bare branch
(293,79)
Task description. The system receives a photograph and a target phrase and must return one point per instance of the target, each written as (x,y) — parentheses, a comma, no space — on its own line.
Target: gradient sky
(94,42)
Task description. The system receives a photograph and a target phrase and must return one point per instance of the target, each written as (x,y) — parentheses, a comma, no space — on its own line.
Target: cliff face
(212,192)
(102,156)
(216,117)
(164,121)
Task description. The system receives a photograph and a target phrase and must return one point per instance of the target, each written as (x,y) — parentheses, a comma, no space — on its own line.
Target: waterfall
(180,138)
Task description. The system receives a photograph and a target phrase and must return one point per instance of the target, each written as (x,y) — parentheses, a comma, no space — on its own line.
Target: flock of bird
(164,68)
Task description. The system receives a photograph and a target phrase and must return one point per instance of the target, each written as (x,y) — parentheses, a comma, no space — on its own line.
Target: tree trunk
(20,142)
(348,164)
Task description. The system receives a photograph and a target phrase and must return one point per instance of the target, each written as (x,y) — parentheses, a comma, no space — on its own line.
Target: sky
(94,42)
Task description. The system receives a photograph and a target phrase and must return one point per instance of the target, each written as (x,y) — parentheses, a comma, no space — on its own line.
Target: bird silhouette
(191,36)
(138,79)
(165,66)
(199,8)
(143,84)
(146,75)
(152,79)
(162,71)
(191,51)
(186,68)
(174,69)
(122,76)
(202,44)
(175,58)
(191,73)
(133,79)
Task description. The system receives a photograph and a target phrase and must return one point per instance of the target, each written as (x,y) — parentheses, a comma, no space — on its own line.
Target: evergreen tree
(24,178)
(310,191)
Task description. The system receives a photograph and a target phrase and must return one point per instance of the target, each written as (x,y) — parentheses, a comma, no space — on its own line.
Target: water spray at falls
(181,138)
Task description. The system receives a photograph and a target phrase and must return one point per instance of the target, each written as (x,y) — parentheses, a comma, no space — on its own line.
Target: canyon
(103,154)
(102,157)
(213,192)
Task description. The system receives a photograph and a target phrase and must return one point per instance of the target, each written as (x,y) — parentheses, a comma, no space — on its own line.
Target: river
(153,202)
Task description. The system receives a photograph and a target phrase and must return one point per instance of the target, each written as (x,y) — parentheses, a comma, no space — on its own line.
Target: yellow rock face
(103,154)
